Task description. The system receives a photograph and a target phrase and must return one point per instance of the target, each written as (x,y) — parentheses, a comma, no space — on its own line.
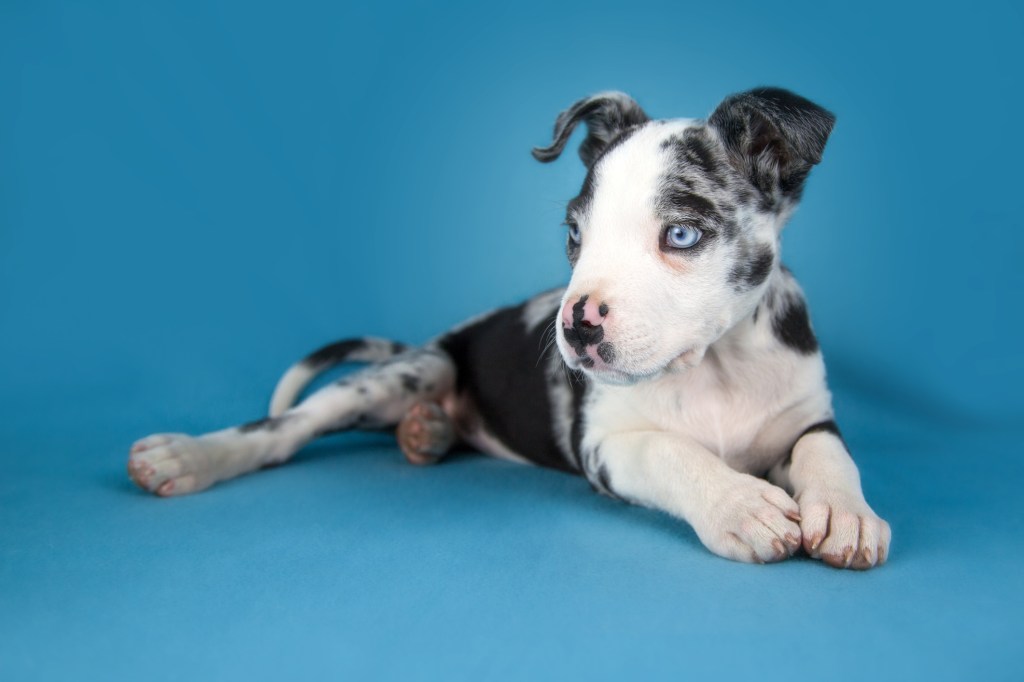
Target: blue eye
(574,233)
(682,236)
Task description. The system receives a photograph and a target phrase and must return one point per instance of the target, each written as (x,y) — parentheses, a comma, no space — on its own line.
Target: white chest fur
(747,401)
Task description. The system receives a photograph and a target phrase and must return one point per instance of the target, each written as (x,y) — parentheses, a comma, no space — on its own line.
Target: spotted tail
(298,376)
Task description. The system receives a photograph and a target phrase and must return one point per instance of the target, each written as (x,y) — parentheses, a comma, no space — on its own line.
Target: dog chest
(748,415)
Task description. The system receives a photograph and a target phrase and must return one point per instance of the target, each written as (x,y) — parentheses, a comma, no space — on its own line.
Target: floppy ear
(606,114)
(773,137)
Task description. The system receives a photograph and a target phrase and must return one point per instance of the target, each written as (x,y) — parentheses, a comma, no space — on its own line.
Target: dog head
(675,233)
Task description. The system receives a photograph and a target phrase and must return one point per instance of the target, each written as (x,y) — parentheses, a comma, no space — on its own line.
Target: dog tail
(298,376)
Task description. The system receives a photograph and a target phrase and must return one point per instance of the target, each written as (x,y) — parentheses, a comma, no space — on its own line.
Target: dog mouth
(614,374)
(606,374)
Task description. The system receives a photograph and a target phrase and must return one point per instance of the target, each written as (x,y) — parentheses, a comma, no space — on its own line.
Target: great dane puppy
(677,370)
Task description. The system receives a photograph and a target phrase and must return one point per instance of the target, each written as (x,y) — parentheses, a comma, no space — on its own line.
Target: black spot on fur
(828,426)
(680,202)
(792,326)
(753,271)
(264,424)
(497,358)
(579,386)
(602,310)
(693,150)
(343,351)
(686,202)
(410,382)
(335,352)
(606,351)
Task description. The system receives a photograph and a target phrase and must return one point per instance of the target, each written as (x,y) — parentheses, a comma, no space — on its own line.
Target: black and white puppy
(686,370)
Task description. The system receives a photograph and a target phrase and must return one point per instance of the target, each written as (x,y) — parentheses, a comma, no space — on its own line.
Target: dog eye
(682,236)
(574,233)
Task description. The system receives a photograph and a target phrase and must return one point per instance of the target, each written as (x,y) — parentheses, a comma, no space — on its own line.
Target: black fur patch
(606,351)
(792,326)
(264,424)
(680,200)
(340,351)
(753,271)
(410,382)
(578,385)
(828,426)
(498,358)
(334,353)
(694,150)
(699,187)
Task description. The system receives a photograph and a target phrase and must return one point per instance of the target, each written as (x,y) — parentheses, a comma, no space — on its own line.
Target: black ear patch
(607,115)
(773,137)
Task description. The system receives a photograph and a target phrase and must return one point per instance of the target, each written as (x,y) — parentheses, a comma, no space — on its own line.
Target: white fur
(700,396)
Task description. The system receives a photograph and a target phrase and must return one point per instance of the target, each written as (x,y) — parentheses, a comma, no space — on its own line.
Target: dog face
(675,232)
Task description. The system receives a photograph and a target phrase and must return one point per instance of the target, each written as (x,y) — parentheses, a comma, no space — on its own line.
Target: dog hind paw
(169,464)
(425,433)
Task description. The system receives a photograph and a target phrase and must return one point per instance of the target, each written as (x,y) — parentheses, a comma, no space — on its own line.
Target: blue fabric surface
(193,195)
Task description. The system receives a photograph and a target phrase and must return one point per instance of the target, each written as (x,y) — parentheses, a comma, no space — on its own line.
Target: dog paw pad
(425,434)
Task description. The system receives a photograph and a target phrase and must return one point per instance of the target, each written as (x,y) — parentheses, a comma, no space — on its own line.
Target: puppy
(677,370)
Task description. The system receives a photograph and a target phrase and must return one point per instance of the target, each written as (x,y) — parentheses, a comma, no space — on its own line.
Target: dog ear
(606,114)
(774,137)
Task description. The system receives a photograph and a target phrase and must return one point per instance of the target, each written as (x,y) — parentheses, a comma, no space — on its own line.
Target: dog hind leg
(375,397)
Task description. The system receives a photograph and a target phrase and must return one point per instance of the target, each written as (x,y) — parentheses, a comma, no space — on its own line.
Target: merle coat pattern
(677,370)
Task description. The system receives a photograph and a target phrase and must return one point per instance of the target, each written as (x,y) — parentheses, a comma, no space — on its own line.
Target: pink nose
(584,312)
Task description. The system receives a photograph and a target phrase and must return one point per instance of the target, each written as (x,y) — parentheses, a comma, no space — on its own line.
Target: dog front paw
(751,520)
(841,529)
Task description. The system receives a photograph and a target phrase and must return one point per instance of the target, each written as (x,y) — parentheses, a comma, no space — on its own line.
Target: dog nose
(585,316)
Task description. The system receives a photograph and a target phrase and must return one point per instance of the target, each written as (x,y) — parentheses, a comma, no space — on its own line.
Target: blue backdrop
(194,194)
